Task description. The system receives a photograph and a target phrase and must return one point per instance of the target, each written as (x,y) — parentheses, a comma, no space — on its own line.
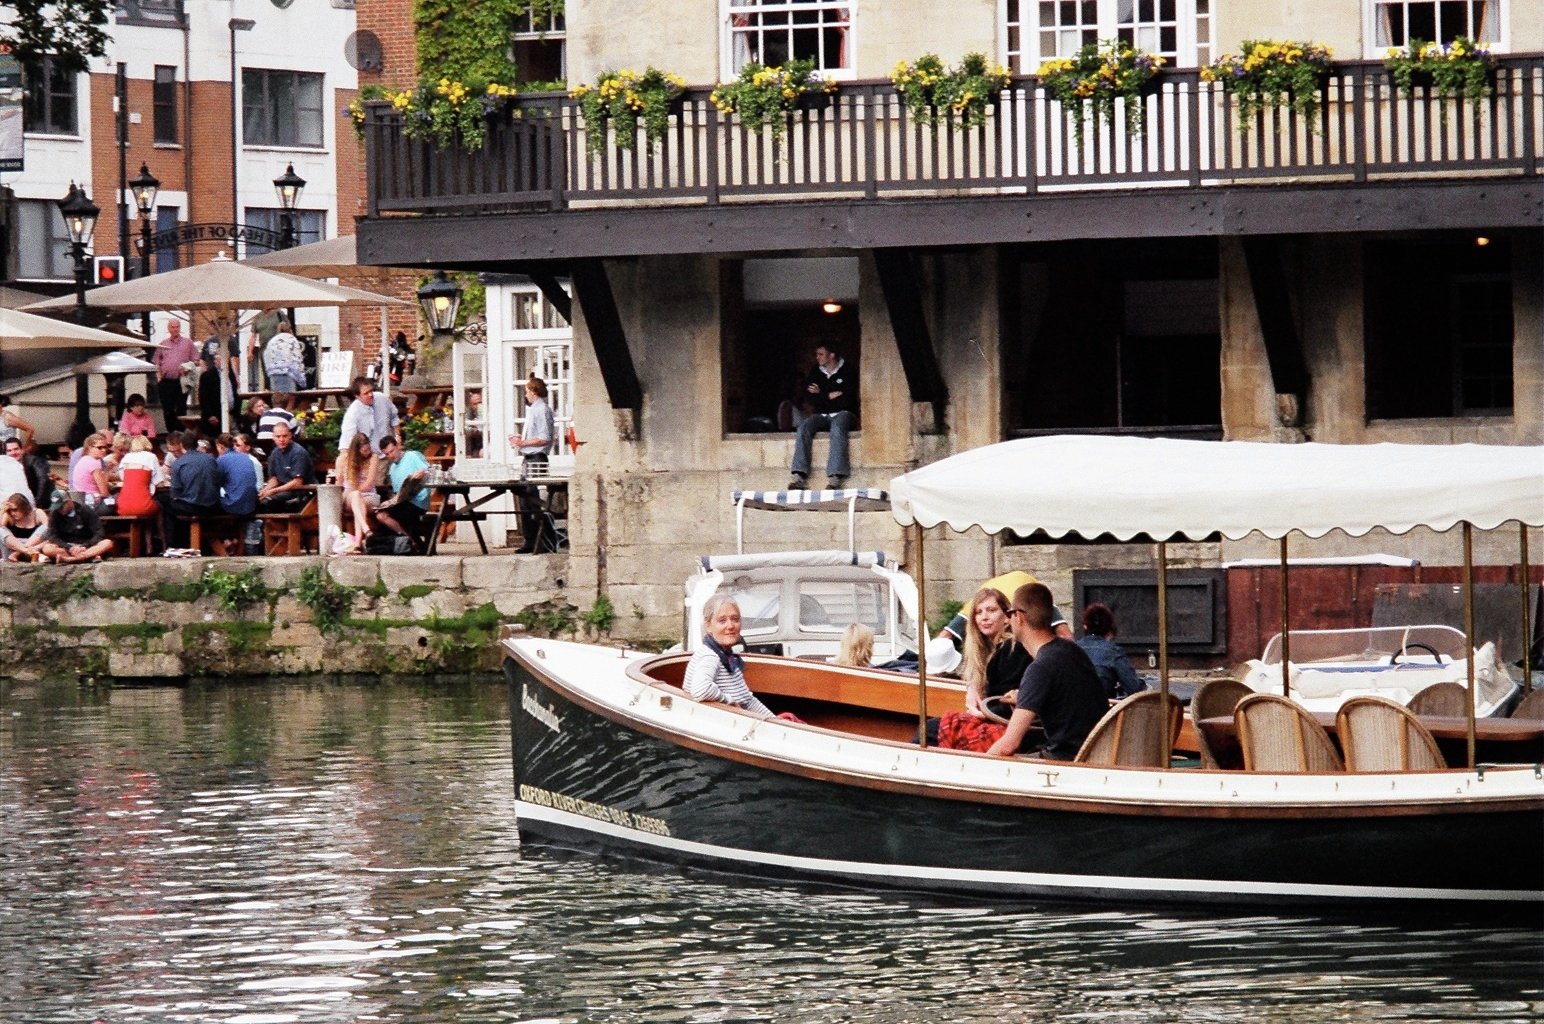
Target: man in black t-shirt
(1060,689)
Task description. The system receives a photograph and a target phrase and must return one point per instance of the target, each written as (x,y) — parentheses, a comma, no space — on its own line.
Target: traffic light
(106,269)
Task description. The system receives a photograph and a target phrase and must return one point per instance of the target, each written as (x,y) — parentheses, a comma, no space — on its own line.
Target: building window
(540,48)
(1397,22)
(149,13)
(50,103)
(309,225)
(164,100)
(1098,339)
(42,242)
(773,32)
(1439,329)
(167,257)
(281,108)
(775,312)
(1037,30)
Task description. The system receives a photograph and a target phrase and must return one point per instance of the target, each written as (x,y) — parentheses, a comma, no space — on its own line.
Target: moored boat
(611,754)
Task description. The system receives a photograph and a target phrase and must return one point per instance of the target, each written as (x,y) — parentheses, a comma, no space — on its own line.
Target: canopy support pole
(1163,648)
(922,639)
(1286,637)
(1469,627)
(1522,539)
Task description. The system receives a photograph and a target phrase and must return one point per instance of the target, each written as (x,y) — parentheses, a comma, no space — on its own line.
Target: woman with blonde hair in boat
(994,664)
(857,649)
(716,672)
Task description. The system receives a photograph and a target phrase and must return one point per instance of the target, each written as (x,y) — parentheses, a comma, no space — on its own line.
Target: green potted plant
(1463,68)
(1271,73)
(625,99)
(1099,75)
(760,96)
(930,91)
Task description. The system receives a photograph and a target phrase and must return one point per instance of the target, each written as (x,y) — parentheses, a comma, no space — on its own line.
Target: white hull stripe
(822,866)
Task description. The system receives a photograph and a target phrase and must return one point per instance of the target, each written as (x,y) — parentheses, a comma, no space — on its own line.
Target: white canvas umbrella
(27,332)
(332,257)
(222,283)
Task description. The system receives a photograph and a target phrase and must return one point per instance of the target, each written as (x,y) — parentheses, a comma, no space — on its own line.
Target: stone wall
(165,619)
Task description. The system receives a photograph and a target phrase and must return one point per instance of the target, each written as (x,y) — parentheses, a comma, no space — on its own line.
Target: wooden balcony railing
(864,145)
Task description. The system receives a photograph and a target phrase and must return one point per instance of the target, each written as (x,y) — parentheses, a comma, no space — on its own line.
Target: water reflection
(326,852)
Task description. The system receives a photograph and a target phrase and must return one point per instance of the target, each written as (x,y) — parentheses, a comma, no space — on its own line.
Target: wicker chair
(1441,700)
(1380,735)
(1213,699)
(1531,707)
(1278,735)
(1132,733)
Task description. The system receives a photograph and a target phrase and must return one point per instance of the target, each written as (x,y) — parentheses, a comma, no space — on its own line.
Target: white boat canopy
(1165,488)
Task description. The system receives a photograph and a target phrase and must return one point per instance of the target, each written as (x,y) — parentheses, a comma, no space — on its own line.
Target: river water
(342,852)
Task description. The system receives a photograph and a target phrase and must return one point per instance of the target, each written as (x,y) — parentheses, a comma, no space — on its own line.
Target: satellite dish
(362,50)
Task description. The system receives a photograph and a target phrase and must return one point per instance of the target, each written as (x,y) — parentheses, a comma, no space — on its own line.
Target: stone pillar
(329,515)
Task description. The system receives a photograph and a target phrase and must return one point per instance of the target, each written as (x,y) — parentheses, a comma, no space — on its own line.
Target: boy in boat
(1060,688)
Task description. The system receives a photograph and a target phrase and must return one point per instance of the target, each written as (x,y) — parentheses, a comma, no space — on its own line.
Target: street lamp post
(288,185)
(80,216)
(145,187)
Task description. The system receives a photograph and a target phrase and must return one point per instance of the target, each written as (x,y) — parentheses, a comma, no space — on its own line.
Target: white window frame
(1377,46)
(1189,51)
(554,28)
(729,66)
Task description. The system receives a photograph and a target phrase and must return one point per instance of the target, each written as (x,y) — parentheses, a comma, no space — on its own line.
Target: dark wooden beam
(1273,304)
(838,226)
(548,283)
(592,288)
(903,291)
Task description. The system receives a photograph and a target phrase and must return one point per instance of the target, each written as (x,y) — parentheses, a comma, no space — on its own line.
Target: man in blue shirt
(404,511)
(194,491)
(289,468)
(238,478)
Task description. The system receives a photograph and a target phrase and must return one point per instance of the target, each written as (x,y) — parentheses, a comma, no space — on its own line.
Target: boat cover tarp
(861,499)
(1165,487)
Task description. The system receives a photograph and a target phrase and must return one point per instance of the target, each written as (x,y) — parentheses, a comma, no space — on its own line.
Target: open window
(775,311)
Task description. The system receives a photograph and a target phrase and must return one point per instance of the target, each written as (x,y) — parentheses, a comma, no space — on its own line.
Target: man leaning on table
(289,469)
(403,513)
(534,443)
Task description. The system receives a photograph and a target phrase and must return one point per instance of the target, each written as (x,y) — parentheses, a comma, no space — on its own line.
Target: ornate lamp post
(288,185)
(80,216)
(145,186)
(441,300)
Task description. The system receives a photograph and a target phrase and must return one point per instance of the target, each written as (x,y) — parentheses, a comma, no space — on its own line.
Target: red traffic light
(106,269)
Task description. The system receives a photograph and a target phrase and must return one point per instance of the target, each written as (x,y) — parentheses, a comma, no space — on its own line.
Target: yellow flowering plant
(1270,73)
(1463,68)
(1098,75)
(625,99)
(322,426)
(761,96)
(444,111)
(931,91)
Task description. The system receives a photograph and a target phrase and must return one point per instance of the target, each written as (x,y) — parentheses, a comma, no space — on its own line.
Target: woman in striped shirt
(715,672)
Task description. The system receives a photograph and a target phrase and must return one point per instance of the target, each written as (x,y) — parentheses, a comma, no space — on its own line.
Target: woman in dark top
(1098,642)
(994,663)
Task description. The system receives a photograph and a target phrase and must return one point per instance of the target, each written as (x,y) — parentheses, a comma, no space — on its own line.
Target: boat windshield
(1373,644)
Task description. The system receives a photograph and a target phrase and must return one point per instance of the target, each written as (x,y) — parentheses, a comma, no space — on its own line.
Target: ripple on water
(315,853)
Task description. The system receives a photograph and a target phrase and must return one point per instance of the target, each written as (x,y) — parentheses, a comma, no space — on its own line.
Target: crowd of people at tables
(1030,688)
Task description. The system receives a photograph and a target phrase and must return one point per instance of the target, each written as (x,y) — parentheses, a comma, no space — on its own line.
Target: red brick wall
(392,23)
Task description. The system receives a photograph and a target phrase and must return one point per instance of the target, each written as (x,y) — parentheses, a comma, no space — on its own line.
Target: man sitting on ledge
(75,532)
(831,390)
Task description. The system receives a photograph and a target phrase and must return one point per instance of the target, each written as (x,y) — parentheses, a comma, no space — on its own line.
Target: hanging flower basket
(932,92)
(624,99)
(761,96)
(1269,73)
(1099,75)
(1463,69)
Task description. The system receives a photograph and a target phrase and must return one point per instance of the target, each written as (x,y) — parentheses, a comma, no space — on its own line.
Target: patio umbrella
(109,364)
(332,257)
(222,283)
(25,332)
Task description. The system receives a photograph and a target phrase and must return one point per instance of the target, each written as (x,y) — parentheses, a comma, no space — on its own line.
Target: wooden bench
(133,534)
(215,535)
(291,533)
